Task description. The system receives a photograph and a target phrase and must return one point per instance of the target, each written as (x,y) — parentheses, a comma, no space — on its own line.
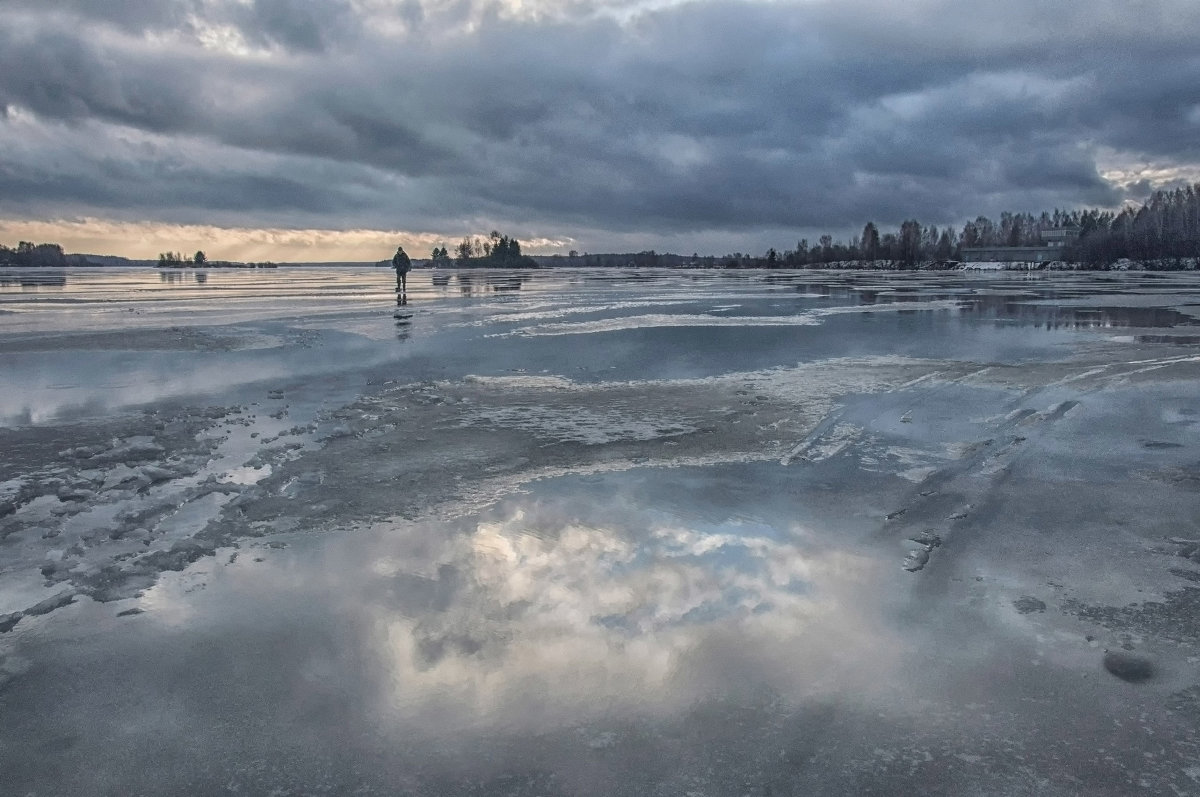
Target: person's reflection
(466,285)
(403,316)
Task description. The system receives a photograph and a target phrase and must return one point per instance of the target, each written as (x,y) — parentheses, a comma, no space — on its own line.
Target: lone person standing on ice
(403,265)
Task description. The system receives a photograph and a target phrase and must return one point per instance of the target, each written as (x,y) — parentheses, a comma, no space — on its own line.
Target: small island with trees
(494,251)
(200,260)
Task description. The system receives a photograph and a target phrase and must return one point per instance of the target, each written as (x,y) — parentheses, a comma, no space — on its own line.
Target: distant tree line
(1162,233)
(1166,229)
(645,259)
(494,251)
(29,254)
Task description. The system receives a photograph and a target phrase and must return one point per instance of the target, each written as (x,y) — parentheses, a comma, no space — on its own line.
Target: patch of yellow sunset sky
(145,240)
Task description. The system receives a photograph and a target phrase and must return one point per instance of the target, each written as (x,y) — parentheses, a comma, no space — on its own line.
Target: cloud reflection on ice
(541,615)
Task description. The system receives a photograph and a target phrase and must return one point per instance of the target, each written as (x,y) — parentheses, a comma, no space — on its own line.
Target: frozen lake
(574,532)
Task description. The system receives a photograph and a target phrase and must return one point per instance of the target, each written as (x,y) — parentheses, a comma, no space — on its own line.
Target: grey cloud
(297,25)
(301,25)
(72,171)
(131,15)
(710,116)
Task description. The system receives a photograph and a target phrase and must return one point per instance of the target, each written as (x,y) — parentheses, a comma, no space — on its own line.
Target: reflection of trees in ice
(579,616)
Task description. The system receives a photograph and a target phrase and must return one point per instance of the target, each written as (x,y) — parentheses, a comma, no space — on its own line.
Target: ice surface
(765,532)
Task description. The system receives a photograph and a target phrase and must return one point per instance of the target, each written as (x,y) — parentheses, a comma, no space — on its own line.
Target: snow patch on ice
(562,312)
(590,427)
(786,383)
(482,494)
(659,320)
(526,382)
(889,307)
(664,320)
(246,475)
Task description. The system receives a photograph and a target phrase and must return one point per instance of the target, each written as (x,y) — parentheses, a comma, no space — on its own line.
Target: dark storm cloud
(706,116)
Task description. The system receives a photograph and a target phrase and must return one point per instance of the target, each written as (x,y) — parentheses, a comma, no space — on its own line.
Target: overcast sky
(335,129)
